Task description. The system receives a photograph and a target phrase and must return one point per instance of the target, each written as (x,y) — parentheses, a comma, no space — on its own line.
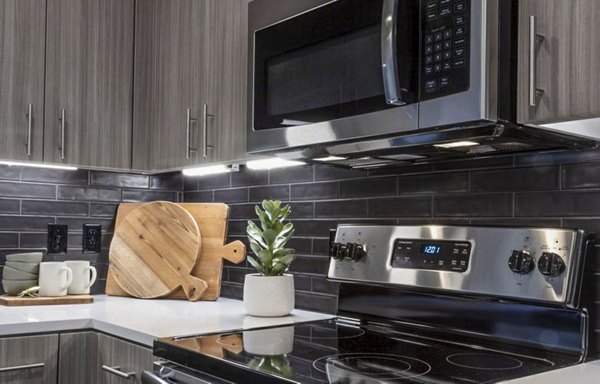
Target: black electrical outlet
(58,236)
(92,238)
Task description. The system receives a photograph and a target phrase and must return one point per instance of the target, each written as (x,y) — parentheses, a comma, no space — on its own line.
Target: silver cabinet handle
(117,371)
(29,127)
(62,134)
(188,135)
(205,115)
(534,37)
(22,367)
(389,62)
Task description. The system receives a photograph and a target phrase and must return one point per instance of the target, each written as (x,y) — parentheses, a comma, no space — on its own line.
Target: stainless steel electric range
(417,304)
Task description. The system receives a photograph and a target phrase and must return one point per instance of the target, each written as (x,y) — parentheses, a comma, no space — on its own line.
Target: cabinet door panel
(89,72)
(78,359)
(18,351)
(129,357)
(567,61)
(170,78)
(22,42)
(228,55)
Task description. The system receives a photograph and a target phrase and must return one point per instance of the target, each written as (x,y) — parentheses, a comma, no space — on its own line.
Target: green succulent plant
(279,365)
(268,242)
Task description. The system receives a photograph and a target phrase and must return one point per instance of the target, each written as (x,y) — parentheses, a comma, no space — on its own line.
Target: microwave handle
(388,52)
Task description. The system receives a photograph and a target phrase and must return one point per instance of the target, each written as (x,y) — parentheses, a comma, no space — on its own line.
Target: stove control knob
(356,251)
(338,251)
(521,262)
(551,264)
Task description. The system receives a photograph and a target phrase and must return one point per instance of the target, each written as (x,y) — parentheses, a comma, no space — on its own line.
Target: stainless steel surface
(117,372)
(389,20)
(22,367)
(29,126)
(586,128)
(534,37)
(164,372)
(488,272)
(205,116)
(150,378)
(62,134)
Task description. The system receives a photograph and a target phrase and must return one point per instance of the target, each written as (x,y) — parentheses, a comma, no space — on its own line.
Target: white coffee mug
(55,278)
(82,281)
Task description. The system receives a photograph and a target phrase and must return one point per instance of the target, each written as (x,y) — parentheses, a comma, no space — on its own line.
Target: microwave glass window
(333,73)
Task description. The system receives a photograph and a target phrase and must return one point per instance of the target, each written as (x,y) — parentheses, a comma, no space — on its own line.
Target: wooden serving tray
(14,301)
(212,221)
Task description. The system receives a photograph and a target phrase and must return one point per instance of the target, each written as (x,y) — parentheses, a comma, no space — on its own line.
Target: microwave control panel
(445,47)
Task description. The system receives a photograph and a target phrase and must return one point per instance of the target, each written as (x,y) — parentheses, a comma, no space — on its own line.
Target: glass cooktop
(332,351)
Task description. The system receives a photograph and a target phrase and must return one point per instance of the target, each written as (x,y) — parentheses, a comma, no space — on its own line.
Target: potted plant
(270,292)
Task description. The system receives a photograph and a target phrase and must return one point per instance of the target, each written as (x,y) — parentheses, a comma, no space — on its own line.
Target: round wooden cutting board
(154,250)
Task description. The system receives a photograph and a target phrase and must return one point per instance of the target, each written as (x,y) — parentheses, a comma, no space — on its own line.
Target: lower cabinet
(29,359)
(95,358)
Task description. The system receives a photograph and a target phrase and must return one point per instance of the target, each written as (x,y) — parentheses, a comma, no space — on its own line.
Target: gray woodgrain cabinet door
(565,64)
(228,55)
(89,74)
(170,80)
(78,360)
(35,355)
(130,358)
(22,42)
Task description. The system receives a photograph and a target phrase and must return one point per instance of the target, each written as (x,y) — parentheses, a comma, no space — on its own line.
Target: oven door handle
(389,61)
(150,378)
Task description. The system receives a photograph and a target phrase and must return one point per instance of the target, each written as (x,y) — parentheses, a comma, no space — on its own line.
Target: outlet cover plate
(58,238)
(92,238)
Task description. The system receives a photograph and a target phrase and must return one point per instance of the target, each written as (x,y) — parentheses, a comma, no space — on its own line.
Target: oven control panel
(518,263)
(431,254)
(445,47)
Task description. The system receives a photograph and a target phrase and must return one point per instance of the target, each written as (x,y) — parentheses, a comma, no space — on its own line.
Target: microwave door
(343,71)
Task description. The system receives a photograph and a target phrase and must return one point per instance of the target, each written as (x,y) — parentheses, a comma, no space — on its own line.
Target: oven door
(169,373)
(343,70)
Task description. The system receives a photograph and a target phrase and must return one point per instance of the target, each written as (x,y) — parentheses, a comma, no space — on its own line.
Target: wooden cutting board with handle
(212,220)
(155,249)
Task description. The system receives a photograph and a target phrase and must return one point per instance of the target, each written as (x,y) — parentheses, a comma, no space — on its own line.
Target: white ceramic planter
(269,342)
(268,296)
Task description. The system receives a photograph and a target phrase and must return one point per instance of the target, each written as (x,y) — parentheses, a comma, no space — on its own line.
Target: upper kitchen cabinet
(559,60)
(170,91)
(190,82)
(22,43)
(89,77)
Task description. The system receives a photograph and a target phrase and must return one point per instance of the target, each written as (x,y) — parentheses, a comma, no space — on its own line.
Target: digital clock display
(431,249)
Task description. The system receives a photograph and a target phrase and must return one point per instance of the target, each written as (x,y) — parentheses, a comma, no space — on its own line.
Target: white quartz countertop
(140,320)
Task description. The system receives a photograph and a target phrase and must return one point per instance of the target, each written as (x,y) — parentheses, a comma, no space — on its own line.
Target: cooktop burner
(332,351)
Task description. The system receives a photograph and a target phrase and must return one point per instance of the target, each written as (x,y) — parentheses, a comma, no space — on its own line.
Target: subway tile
(320,247)
(371,187)
(133,195)
(247,178)
(9,240)
(558,203)
(322,285)
(339,209)
(302,246)
(516,179)
(237,275)
(400,207)
(315,191)
(302,282)
(310,264)
(401,169)
(232,290)
(484,205)
(275,192)
(579,176)
(291,175)
(88,193)
(55,208)
(112,179)
(56,176)
(171,181)
(25,223)
(242,211)
(8,172)
(191,183)
(219,181)
(198,197)
(329,172)
(450,182)
(557,157)
(238,195)
(75,241)
(588,225)
(314,228)
(301,210)
(9,206)
(237,227)
(76,223)
(474,163)
(543,222)
(103,210)
(8,189)
(34,240)
(316,302)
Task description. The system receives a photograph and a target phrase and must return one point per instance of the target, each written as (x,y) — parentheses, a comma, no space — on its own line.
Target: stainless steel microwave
(389,79)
